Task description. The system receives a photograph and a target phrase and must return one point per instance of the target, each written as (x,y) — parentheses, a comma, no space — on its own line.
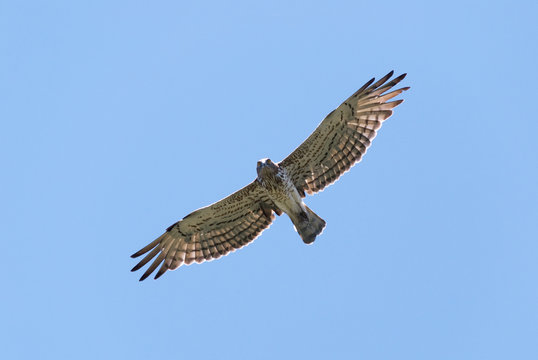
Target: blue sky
(119,118)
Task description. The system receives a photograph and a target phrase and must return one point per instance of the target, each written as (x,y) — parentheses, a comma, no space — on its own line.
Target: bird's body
(333,148)
(281,190)
(279,187)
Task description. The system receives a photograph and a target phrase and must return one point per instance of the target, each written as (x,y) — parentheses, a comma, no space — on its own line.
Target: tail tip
(309,240)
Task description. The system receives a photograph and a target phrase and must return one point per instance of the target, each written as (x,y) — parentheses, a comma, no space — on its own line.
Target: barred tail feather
(308,225)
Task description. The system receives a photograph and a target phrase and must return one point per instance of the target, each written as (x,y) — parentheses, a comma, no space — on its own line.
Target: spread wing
(211,232)
(342,137)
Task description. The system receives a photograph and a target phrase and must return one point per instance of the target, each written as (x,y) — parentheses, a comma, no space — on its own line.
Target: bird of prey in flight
(338,143)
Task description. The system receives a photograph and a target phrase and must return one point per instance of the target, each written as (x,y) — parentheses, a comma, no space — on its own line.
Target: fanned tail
(308,225)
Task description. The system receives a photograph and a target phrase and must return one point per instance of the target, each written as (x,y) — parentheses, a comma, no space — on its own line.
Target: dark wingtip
(368,83)
(139,252)
(383,80)
(161,271)
(399,78)
(136,267)
(144,277)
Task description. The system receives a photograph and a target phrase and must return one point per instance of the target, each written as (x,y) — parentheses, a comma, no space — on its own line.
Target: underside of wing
(343,137)
(211,232)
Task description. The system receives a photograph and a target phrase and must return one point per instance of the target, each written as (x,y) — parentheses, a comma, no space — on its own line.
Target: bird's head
(266,166)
